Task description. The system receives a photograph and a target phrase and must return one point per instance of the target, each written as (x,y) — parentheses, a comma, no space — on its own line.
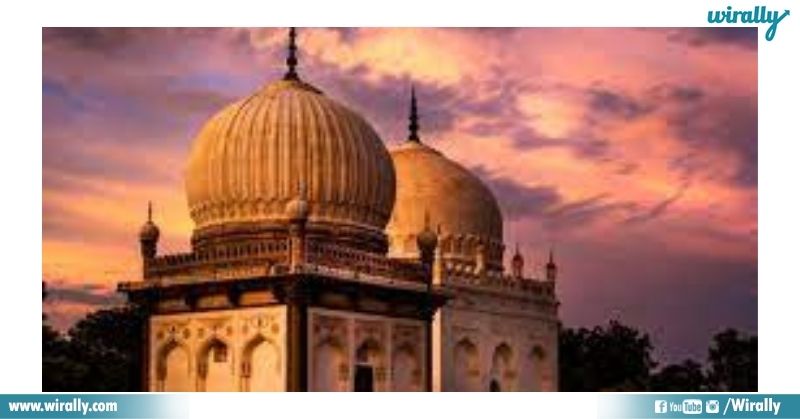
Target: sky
(631,152)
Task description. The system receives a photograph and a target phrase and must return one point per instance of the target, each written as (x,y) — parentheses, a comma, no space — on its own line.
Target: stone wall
(488,343)
(226,350)
(346,347)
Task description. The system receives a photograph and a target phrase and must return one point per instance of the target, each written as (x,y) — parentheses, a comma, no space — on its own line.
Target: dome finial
(426,242)
(302,189)
(413,118)
(298,209)
(291,59)
(150,211)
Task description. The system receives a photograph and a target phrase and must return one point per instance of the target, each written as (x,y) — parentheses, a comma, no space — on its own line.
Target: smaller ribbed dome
(455,200)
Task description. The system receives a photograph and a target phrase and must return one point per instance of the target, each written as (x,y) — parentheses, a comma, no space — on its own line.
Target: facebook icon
(661,406)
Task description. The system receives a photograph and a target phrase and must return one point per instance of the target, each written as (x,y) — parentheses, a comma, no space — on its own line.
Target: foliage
(619,358)
(733,362)
(687,376)
(102,352)
(611,358)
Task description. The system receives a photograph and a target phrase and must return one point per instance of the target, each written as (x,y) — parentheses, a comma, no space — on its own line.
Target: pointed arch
(537,361)
(406,369)
(329,366)
(173,367)
(215,366)
(503,373)
(370,369)
(261,365)
(466,361)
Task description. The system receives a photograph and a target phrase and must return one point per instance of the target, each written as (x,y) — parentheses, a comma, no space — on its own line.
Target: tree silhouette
(684,377)
(611,358)
(58,369)
(733,362)
(618,358)
(102,352)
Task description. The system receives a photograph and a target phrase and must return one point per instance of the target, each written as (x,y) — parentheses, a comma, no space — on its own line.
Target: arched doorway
(467,374)
(173,368)
(406,374)
(367,362)
(503,374)
(330,366)
(261,366)
(537,361)
(494,386)
(215,367)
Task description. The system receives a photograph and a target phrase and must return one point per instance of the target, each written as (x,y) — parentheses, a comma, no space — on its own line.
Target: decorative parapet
(272,258)
(464,274)
(361,262)
(230,258)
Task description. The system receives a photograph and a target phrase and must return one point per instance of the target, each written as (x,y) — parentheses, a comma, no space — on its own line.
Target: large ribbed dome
(250,159)
(454,199)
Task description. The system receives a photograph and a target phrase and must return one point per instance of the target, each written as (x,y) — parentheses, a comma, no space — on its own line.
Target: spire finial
(551,269)
(291,59)
(149,211)
(413,118)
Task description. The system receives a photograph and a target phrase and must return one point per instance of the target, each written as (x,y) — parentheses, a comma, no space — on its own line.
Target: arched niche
(466,363)
(329,366)
(503,373)
(369,372)
(406,369)
(173,368)
(215,371)
(537,362)
(261,365)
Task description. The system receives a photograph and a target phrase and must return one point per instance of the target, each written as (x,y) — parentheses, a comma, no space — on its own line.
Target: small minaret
(291,57)
(517,264)
(480,258)
(148,237)
(438,261)
(297,211)
(426,243)
(551,269)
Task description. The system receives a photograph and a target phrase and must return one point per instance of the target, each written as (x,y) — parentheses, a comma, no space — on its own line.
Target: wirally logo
(758,15)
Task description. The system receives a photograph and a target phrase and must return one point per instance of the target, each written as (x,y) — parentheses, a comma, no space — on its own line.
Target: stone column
(297,335)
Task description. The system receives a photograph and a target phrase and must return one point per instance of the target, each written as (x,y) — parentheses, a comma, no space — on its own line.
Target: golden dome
(249,160)
(454,199)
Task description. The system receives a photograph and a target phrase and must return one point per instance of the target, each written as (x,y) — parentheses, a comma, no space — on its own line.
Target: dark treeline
(103,352)
(616,357)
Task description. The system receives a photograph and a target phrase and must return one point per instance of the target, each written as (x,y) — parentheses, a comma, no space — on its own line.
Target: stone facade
(484,342)
(344,342)
(225,350)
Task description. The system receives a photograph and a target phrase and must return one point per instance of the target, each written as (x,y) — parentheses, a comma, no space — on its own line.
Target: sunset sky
(632,151)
